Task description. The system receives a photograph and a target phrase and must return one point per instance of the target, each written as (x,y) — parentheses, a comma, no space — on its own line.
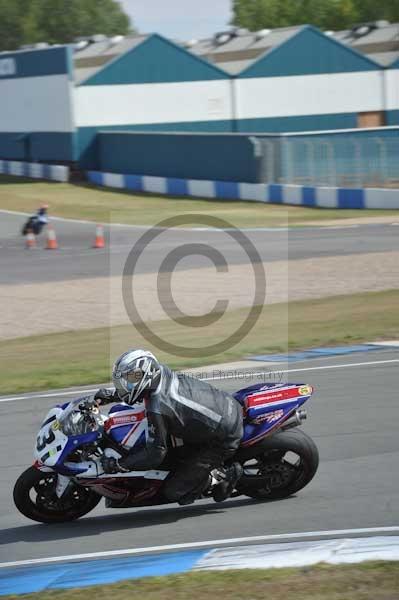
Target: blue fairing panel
(268,405)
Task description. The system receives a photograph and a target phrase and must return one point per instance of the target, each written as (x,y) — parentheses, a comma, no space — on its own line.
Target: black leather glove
(87,404)
(105,396)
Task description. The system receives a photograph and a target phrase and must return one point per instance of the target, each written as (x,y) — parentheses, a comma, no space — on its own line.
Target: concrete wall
(346,157)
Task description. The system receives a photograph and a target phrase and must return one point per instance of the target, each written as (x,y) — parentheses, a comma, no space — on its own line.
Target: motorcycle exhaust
(295,420)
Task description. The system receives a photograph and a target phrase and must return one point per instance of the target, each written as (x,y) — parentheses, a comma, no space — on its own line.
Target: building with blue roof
(54,101)
(298,78)
(36,105)
(152,85)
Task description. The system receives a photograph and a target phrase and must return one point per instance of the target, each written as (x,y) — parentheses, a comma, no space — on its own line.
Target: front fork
(63,482)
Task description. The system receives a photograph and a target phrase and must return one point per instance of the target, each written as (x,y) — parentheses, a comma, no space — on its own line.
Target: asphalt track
(76,259)
(353,418)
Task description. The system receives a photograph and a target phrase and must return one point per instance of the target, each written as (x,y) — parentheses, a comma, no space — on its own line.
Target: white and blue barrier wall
(34,170)
(323,197)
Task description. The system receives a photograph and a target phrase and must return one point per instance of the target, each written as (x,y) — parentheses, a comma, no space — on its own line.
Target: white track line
(140,227)
(208,229)
(214,378)
(208,544)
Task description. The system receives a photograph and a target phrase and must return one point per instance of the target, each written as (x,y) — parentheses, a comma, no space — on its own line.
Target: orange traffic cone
(30,240)
(52,243)
(99,241)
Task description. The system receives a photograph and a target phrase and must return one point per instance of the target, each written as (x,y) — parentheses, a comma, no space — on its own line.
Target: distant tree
(327,14)
(57,21)
(11,27)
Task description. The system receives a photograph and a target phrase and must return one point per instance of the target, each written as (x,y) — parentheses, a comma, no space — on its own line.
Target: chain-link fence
(343,160)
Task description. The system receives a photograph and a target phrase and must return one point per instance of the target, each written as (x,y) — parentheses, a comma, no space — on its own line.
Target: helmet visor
(131,379)
(134,376)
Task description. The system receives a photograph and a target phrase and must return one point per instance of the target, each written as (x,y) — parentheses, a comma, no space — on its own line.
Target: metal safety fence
(336,160)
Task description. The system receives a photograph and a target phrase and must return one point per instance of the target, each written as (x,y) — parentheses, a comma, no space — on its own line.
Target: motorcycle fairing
(53,446)
(50,441)
(127,425)
(267,406)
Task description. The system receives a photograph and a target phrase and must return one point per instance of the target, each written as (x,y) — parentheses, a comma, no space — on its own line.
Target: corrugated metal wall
(392,94)
(185,156)
(156,86)
(310,82)
(36,121)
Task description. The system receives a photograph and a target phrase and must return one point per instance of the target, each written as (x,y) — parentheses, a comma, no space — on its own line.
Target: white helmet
(134,372)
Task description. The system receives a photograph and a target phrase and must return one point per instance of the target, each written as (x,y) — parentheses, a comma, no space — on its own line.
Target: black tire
(277,478)
(46,507)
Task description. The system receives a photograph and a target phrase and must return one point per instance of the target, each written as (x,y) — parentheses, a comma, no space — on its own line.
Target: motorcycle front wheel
(35,497)
(279,466)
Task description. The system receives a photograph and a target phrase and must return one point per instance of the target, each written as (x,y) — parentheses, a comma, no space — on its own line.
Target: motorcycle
(67,480)
(33,225)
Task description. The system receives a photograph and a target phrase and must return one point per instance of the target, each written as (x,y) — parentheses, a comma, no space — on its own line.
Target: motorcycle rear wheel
(280,466)
(35,497)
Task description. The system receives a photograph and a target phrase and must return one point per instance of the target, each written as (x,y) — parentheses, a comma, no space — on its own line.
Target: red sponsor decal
(124,420)
(272,396)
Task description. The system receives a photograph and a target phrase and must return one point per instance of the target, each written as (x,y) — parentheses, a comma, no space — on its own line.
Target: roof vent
(362,29)
(81,45)
(262,33)
(223,37)
(116,39)
(41,45)
(98,37)
(190,43)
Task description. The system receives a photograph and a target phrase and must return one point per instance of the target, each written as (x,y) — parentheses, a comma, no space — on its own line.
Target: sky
(180,19)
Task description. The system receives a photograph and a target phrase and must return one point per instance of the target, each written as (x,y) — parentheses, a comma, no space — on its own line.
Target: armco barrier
(34,170)
(323,197)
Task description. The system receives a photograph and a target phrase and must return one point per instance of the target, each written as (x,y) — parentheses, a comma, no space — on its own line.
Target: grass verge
(83,357)
(102,205)
(366,581)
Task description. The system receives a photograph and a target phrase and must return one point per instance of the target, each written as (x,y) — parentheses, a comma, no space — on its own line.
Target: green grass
(102,205)
(83,357)
(366,581)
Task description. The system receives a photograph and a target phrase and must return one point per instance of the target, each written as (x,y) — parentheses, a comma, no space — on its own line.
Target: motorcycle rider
(208,420)
(36,222)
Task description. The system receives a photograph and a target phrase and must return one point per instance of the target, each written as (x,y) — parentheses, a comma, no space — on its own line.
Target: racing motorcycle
(67,480)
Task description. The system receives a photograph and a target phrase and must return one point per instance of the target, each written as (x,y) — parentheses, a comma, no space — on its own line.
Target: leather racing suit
(208,420)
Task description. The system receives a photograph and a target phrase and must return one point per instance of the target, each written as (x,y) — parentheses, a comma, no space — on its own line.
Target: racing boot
(223,490)
(196,493)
